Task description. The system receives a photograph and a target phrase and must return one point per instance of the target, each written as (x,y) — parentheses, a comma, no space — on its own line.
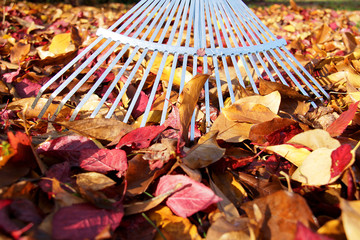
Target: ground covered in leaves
(271,166)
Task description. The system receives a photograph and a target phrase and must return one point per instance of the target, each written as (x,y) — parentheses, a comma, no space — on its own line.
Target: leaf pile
(270,166)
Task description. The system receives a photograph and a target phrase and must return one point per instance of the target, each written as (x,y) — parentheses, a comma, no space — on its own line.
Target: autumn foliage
(270,166)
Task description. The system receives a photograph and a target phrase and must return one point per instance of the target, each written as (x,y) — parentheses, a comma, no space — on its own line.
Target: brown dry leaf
(93,181)
(259,186)
(324,34)
(63,197)
(277,214)
(254,109)
(206,152)
(172,226)
(223,229)
(258,132)
(19,52)
(99,128)
(231,131)
(349,41)
(351,218)
(25,104)
(188,100)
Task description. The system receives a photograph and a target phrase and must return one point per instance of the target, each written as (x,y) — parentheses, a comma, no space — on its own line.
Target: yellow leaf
(294,155)
(351,218)
(333,228)
(61,43)
(177,227)
(290,28)
(6,152)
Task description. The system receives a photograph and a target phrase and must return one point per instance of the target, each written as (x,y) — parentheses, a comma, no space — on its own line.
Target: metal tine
(284,68)
(218,37)
(250,56)
(287,59)
(162,65)
(147,71)
(182,10)
(81,55)
(228,43)
(195,57)
(249,41)
(187,44)
(205,67)
(246,9)
(71,77)
(117,78)
(260,26)
(86,77)
(307,73)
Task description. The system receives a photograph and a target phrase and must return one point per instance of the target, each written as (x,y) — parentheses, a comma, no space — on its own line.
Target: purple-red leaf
(84,221)
(27,88)
(104,160)
(339,125)
(140,105)
(340,158)
(140,137)
(193,197)
(304,233)
(67,148)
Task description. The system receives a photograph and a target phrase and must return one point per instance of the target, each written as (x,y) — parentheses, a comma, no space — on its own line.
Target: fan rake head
(172,40)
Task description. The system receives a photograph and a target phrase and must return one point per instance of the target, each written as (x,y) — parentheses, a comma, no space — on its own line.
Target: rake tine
(86,77)
(71,77)
(126,85)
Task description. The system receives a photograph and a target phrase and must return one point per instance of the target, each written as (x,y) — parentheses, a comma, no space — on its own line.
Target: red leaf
(104,160)
(140,105)
(84,221)
(67,148)
(340,124)
(140,137)
(304,233)
(340,159)
(192,198)
(21,143)
(60,171)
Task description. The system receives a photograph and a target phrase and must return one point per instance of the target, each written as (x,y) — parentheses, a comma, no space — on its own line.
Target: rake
(218,34)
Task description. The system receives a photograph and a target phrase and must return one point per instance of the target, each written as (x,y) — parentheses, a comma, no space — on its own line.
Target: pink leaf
(192,198)
(9,77)
(140,137)
(27,88)
(340,158)
(104,160)
(84,221)
(304,233)
(67,148)
(339,125)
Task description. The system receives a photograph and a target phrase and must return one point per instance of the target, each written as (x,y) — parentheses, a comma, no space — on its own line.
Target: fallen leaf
(224,229)
(99,128)
(84,221)
(350,216)
(188,100)
(104,160)
(340,124)
(192,198)
(19,52)
(61,43)
(93,181)
(205,152)
(304,233)
(141,137)
(293,154)
(172,226)
(315,139)
(280,211)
